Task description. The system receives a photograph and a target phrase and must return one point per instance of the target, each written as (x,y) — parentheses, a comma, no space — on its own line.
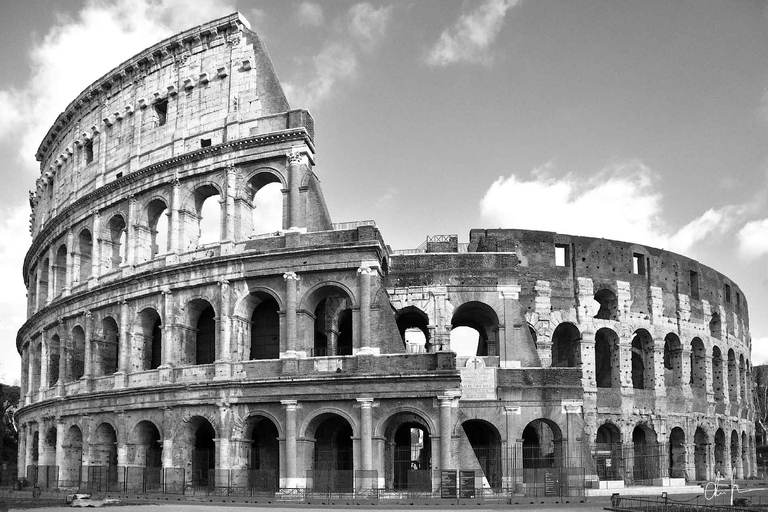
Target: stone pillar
(364,332)
(175,217)
(31,361)
(60,453)
(587,354)
(21,455)
(88,329)
(686,370)
(125,339)
(446,420)
(296,162)
(659,385)
(62,360)
(25,375)
(229,206)
(288,349)
(131,230)
(96,247)
(70,262)
(225,331)
(168,351)
(43,364)
(291,452)
(366,433)
(51,275)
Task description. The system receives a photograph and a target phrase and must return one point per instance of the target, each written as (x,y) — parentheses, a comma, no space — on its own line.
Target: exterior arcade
(317,358)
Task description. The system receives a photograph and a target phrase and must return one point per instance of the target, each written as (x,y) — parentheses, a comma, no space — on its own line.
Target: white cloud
(369,24)
(622,202)
(310,14)
(73,54)
(13,226)
(759,351)
(753,239)
(337,61)
(470,38)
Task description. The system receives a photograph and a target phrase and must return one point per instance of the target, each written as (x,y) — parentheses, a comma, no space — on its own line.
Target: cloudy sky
(642,121)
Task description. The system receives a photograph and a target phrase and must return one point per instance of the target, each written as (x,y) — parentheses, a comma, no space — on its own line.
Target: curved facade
(167,346)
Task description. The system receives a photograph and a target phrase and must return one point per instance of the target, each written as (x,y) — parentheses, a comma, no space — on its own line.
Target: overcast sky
(644,121)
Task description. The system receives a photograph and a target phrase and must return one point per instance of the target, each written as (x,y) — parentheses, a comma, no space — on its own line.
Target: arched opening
(117,241)
(54,355)
(735,455)
(483,455)
(542,446)
(410,321)
(745,462)
(698,365)
(720,463)
(465,341)
(201,349)
(609,460)
(673,361)
(35,455)
(700,454)
(609,305)
(646,455)
(148,335)
(607,363)
(333,457)
(715,327)
(77,359)
(158,228)
(642,360)
(743,381)
(48,476)
(60,275)
(102,470)
(733,377)
(44,272)
(482,318)
(566,346)
(84,252)
(266,194)
(149,453)
(717,374)
(408,457)
(264,462)
(203,453)
(208,209)
(32,304)
(677,453)
(34,354)
(107,348)
(333,326)
(265,330)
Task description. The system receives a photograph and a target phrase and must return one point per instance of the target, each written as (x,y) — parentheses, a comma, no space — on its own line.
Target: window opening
(694,284)
(561,255)
(88,149)
(118,175)
(204,143)
(727,294)
(638,264)
(161,109)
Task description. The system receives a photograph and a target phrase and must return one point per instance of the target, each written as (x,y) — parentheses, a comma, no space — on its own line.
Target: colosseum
(160,355)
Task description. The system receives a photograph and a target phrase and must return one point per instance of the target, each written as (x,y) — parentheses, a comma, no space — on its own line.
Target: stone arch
(715,326)
(735,462)
(745,458)
(312,421)
(609,304)
(330,311)
(70,473)
(698,364)
(717,374)
(646,453)
(333,454)
(115,244)
(607,359)
(84,255)
(198,453)
(566,346)
(147,334)
(542,444)
(609,453)
(205,231)
(60,270)
(43,278)
(720,462)
(482,318)
(733,376)
(643,364)
(701,453)
(677,453)
(410,318)
(76,362)
(673,360)
(483,452)
(263,181)
(147,440)
(380,428)
(106,348)
(55,353)
(264,433)
(103,452)
(407,451)
(158,236)
(200,340)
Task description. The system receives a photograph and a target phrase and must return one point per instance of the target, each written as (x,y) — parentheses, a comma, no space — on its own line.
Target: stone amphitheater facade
(316,357)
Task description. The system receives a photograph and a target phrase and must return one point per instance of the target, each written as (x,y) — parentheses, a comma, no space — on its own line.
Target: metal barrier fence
(667,504)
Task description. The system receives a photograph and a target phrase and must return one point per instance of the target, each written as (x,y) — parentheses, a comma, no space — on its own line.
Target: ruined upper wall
(514,256)
(206,86)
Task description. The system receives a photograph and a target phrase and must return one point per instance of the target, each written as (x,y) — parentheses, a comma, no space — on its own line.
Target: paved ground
(197,507)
